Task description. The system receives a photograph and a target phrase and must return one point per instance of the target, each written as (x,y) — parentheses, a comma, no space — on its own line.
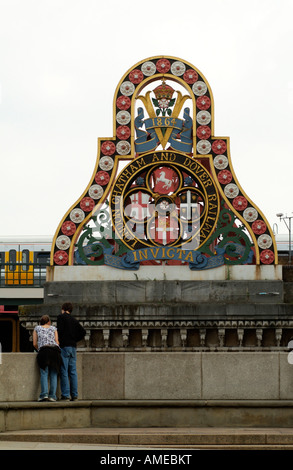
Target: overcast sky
(60,63)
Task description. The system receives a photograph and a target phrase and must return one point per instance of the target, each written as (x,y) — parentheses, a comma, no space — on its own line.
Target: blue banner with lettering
(132,259)
(195,259)
(148,140)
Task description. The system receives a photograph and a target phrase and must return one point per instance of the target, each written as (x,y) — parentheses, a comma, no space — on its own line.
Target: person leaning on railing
(46,342)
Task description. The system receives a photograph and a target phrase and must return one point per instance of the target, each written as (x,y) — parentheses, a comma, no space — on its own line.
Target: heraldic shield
(163,190)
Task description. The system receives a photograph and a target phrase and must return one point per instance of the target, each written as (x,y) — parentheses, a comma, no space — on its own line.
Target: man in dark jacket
(70,332)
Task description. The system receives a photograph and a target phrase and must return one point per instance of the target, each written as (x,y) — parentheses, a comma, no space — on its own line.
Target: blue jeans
(45,375)
(68,373)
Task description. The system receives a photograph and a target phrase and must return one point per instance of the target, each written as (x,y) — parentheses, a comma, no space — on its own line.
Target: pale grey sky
(60,63)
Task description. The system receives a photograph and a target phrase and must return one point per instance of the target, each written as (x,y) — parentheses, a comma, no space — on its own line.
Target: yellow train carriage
(23,260)
(19,268)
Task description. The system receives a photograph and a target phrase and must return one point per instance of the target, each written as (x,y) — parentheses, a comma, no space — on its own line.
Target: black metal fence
(22,274)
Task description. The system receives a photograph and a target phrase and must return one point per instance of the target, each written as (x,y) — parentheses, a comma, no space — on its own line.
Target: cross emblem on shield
(139,208)
(188,205)
(166,230)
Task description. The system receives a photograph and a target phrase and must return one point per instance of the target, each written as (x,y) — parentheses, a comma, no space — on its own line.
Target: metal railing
(22,274)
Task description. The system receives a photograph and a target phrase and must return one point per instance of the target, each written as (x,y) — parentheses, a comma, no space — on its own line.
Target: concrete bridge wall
(160,376)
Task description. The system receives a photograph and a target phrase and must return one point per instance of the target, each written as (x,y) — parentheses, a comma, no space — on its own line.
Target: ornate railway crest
(164,198)
(176,200)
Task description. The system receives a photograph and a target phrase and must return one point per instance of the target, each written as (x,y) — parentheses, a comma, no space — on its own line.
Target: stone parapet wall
(173,315)
(163,292)
(160,376)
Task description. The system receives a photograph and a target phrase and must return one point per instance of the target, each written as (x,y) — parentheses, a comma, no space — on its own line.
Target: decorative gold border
(118,158)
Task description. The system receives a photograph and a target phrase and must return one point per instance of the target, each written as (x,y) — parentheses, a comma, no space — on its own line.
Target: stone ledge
(233,438)
(17,416)
(104,273)
(146,403)
(166,311)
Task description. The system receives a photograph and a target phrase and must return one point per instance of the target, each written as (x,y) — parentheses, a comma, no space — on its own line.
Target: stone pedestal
(249,311)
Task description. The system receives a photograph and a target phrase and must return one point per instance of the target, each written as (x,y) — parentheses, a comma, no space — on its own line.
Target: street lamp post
(283,217)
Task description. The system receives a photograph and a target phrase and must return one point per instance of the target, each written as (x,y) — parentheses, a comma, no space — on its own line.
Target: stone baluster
(144,337)
(278,336)
(125,337)
(183,336)
(87,338)
(106,336)
(164,335)
(259,332)
(221,336)
(202,336)
(240,335)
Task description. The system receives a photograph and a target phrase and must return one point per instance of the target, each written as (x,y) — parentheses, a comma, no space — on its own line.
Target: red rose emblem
(102,178)
(203,103)
(163,66)
(203,132)
(267,256)
(136,76)
(68,228)
(60,257)
(123,102)
(87,204)
(259,227)
(123,132)
(219,146)
(225,177)
(190,76)
(108,148)
(240,203)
